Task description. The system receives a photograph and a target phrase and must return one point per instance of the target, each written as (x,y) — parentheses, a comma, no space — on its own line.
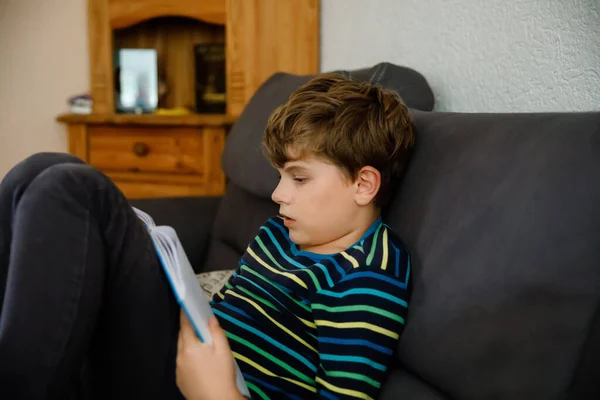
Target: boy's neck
(362,222)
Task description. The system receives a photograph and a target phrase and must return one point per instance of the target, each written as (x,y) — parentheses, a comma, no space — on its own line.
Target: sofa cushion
(401,384)
(237,222)
(243,161)
(502,216)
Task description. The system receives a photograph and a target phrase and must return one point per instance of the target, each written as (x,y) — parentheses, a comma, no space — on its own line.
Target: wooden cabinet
(266,36)
(158,155)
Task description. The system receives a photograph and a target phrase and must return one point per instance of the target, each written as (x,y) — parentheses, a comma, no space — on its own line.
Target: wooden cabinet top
(124,13)
(148,119)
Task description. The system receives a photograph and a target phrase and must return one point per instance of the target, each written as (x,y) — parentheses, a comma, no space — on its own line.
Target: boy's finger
(219,338)
(186,331)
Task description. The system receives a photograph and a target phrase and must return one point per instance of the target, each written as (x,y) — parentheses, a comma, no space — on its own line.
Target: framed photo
(137,75)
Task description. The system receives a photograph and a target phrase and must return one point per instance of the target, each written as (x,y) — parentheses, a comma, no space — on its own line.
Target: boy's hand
(205,372)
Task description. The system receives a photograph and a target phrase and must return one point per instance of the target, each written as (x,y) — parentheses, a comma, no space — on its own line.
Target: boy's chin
(299,240)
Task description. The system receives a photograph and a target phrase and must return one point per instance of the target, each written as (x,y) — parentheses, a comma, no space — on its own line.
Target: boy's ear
(368,183)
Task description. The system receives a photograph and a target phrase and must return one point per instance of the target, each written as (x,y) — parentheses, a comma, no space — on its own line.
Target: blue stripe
(407,269)
(273,221)
(264,384)
(356,342)
(325,272)
(339,269)
(372,228)
(354,359)
(374,275)
(275,343)
(263,290)
(328,395)
(236,309)
(373,292)
(281,252)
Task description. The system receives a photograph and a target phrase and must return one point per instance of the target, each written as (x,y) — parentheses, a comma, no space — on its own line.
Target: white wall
(478,55)
(43,61)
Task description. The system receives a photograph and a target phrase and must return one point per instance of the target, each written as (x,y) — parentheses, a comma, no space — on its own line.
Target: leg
(82,281)
(12,188)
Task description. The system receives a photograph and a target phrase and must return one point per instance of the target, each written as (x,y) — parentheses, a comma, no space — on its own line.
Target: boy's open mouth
(287,221)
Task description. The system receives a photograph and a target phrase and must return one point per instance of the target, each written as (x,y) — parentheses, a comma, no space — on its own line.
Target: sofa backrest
(501,213)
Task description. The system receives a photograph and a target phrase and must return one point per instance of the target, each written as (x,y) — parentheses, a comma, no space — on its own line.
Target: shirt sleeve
(359,321)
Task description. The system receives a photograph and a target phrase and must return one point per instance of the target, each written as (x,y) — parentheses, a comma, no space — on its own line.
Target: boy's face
(317,202)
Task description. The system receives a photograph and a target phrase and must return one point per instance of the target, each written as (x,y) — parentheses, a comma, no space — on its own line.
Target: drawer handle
(141,149)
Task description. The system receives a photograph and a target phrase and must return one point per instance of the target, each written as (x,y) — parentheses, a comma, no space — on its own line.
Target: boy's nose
(279,195)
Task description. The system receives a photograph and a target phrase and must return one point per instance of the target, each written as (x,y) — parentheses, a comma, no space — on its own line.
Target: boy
(315,308)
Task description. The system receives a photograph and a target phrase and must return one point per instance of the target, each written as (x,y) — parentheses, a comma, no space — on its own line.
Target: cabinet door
(268,36)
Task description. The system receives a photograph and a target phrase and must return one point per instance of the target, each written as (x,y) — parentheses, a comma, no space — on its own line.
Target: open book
(181,276)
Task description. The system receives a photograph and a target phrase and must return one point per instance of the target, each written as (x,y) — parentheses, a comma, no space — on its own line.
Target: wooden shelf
(147,119)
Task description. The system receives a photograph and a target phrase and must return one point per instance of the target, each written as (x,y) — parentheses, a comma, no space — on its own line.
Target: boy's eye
(300,180)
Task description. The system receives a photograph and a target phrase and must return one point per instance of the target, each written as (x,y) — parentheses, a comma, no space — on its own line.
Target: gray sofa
(501,213)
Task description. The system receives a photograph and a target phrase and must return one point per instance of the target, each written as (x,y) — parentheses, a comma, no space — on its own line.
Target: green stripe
(308,271)
(370,309)
(373,245)
(268,356)
(255,389)
(351,375)
(256,274)
(259,299)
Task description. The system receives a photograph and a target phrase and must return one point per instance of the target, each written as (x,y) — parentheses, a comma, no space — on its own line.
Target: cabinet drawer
(146,190)
(146,149)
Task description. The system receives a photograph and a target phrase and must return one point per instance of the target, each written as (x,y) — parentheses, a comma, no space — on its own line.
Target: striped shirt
(304,325)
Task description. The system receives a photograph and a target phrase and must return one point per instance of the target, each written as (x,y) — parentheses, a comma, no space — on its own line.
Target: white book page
(188,291)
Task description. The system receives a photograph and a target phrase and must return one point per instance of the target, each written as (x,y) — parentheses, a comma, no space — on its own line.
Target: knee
(43,160)
(72,185)
(69,177)
(28,169)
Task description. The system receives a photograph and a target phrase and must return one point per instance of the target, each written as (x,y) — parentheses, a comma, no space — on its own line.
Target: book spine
(210,84)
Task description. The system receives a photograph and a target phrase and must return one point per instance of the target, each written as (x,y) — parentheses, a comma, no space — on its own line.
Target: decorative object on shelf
(81,104)
(137,80)
(209,60)
(177,111)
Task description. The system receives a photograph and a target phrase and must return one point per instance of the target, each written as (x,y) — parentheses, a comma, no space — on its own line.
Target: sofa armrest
(191,217)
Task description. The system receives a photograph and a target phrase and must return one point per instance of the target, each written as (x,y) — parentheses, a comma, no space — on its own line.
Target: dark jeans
(81,289)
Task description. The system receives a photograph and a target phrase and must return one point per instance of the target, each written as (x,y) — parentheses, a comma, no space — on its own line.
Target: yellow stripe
(362,325)
(221,295)
(307,323)
(283,328)
(267,266)
(385,250)
(351,259)
(347,392)
(267,372)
